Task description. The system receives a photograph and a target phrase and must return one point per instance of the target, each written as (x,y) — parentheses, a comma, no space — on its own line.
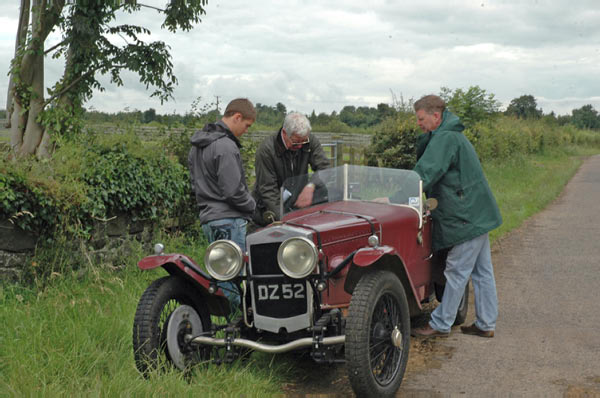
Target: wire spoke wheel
(377,335)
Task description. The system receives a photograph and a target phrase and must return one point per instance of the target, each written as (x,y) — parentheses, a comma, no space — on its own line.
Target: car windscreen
(349,182)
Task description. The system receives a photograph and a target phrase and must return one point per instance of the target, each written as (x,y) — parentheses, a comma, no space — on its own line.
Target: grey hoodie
(217,174)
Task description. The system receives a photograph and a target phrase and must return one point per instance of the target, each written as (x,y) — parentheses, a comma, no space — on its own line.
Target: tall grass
(525,184)
(71,335)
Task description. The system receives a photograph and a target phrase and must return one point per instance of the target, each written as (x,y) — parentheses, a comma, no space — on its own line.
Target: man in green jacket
(466,212)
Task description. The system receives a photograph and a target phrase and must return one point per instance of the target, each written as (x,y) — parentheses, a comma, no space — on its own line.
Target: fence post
(340,153)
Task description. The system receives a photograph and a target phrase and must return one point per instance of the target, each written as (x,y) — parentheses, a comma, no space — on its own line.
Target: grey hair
(297,124)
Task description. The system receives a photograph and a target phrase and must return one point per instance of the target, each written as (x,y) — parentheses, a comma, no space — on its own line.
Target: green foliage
(393,144)
(77,328)
(524,107)
(271,116)
(119,182)
(505,137)
(248,152)
(24,203)
(87,29)
(365,116)
(95,177)
(525,184)
(471,106)
(149,115)
(502,137)
(586,117)
(72,336)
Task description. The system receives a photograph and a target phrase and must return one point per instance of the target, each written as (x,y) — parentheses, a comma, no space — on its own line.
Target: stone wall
(16,249)
(109,244)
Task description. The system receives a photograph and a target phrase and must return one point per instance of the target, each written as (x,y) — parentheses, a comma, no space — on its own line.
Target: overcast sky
(322,55)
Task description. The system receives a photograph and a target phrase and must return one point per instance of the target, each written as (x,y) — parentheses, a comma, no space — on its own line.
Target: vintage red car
(341,279)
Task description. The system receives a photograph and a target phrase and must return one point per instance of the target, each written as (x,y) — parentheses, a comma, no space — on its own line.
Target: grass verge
(72,336)
(524,185)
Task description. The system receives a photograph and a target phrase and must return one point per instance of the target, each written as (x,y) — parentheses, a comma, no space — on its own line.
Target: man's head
(239,116)
(429,111)
(295,131)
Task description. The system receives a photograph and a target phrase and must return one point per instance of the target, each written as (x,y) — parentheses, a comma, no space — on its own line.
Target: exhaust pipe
(271,349)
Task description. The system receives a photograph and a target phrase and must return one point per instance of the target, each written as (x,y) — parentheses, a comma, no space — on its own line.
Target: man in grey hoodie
(218,179)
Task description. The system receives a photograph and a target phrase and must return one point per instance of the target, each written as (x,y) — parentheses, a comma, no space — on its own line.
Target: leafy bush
(93,177)
(471,106)
(501,137)
(504,136)
(393,144)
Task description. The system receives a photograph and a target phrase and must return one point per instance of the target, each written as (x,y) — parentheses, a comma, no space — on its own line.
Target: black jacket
(217,174)
(274,164)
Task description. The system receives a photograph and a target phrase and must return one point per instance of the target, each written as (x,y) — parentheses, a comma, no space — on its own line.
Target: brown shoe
(427,331)
(474,330)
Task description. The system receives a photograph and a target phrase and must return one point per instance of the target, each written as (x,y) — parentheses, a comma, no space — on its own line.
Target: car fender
(183,266)
(369,255)
(382,258)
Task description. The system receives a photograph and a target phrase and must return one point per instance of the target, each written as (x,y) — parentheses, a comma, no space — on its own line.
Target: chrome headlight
(223,259)
(297,257)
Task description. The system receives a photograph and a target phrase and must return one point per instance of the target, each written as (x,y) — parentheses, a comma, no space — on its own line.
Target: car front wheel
(377,335)
(167,311)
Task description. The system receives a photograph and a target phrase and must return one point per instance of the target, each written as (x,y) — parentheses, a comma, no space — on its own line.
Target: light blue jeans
(469,259)
(233,229)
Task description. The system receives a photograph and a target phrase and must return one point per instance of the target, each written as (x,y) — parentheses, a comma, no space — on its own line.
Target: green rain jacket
(452,173)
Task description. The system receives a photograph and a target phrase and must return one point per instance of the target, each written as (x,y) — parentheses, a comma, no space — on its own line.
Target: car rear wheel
(377,335)
(166,312)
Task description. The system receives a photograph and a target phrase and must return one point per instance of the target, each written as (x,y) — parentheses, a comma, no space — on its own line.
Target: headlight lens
(223,259)
(297,257)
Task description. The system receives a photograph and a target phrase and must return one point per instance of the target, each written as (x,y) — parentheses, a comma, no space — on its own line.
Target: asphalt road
(547,339)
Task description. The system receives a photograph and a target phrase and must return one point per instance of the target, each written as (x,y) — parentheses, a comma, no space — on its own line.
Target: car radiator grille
(275,297)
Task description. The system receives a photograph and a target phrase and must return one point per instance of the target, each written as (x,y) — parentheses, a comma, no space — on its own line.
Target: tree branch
(147,6)
(54,47)
(74,82)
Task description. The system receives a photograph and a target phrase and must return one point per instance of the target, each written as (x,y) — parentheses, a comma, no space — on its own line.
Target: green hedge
(503,136)
(498,137)
(93,178)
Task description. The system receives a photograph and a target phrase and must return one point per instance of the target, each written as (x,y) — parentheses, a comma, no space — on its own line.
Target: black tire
(378,307)
(150,323)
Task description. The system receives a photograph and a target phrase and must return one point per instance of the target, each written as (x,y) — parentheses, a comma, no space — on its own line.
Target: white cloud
(310,54)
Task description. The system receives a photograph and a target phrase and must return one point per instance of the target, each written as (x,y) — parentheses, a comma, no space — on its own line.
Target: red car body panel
(344,227)
(340,229)
(169,261)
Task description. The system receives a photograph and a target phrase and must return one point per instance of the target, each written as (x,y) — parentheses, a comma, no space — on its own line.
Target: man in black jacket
(218,179)
(281,156)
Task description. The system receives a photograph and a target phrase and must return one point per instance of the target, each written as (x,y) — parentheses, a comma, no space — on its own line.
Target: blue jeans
(233,229)
(469,259)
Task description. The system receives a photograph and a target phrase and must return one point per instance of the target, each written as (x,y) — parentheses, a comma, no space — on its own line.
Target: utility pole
(218,112)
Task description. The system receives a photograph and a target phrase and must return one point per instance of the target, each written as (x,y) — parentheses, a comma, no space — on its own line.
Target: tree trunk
(17,124)
(24,110)
(19,41)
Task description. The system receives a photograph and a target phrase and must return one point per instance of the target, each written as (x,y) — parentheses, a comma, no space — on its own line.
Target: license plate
(281,291)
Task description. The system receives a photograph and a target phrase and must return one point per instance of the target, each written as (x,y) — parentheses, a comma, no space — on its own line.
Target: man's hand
(306,196)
